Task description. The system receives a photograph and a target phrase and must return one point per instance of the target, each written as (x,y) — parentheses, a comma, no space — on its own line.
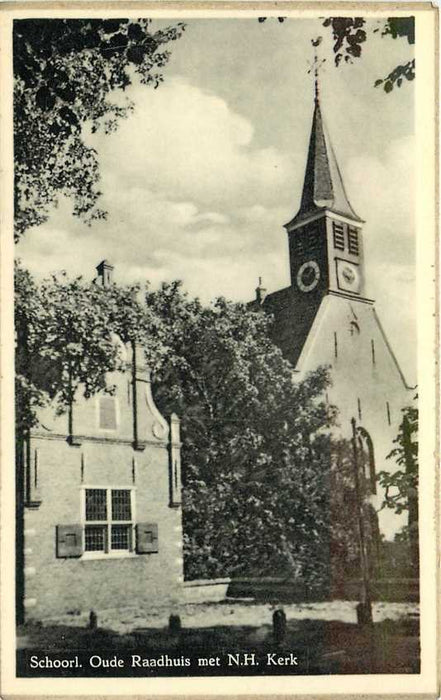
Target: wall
(206,591)
(356,377)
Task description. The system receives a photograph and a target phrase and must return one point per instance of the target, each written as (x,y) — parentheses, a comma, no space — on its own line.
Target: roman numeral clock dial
(308,276)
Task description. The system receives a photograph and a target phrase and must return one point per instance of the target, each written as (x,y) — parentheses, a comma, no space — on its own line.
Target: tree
(401,486)
(66,72)
(260,469)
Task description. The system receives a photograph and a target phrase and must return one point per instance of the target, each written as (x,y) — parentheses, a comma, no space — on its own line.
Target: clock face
(348,276)
(308,276)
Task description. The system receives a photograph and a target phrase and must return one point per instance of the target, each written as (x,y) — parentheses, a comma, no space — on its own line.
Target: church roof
(323,186)
(293,317)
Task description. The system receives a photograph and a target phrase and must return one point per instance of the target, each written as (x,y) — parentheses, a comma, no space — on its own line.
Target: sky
(200,179)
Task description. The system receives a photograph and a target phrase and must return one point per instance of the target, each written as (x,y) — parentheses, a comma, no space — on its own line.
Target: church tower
(324,317)
(325,244)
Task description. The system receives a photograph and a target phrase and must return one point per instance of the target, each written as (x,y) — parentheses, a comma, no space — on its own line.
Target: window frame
(109,521)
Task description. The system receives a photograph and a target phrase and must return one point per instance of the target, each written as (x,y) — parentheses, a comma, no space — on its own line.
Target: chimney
(260,292)
(104,274)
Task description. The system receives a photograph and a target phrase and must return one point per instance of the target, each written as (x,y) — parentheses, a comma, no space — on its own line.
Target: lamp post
(364,608)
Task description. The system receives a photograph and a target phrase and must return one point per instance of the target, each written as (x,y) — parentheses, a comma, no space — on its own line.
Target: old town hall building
(324,317)
(99,500)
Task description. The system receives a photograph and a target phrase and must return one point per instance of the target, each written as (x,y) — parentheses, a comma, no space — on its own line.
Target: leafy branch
(349,35)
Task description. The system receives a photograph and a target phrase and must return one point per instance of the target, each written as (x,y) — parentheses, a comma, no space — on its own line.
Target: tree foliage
(350,33)
(401,486)
(66,338)
(66,74)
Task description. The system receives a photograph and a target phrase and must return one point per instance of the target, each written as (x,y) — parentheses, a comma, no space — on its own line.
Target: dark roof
(293,318)
(323,185)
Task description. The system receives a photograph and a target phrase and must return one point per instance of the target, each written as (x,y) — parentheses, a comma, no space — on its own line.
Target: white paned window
(108,520)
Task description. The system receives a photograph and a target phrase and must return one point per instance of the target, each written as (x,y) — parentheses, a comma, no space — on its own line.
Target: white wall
(355,376)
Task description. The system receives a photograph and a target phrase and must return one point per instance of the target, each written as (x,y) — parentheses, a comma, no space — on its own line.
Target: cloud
(190,143)
(188,195)
(384,194)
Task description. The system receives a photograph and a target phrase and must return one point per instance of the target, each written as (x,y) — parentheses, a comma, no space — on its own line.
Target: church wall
(366,382)
(323,318)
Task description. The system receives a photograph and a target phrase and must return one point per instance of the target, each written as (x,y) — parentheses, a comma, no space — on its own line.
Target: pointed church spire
(323,184)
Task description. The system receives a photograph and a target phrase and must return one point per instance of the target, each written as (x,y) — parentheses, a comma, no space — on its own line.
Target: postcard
(219,377)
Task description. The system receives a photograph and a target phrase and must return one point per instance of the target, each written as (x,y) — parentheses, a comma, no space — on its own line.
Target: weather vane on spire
(316,64)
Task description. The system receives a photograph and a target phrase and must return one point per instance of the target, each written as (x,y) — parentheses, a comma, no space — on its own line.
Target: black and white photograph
(222,348)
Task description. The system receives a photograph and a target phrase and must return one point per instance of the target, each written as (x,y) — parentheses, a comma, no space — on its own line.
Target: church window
(339,235)
(388,413)
(335,345)
(353,240)
(359,409)
(108,520)
(107,412)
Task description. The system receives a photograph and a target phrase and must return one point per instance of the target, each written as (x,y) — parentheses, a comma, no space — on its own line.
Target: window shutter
(339,236)
(353,240)
(146,538)
(69,541)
